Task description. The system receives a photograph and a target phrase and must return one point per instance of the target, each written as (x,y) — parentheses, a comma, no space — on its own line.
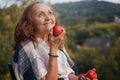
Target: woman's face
(43,17)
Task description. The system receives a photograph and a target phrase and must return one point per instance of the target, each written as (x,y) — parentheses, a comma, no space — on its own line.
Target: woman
(38,54)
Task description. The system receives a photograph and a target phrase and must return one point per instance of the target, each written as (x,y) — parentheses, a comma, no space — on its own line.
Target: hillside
(87,11)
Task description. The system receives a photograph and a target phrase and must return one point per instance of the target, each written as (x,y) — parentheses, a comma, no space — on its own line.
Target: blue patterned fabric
(71,63)
(60,78)
(24,64)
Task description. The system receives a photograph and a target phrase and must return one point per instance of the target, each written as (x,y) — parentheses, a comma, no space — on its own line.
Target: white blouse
(40,62)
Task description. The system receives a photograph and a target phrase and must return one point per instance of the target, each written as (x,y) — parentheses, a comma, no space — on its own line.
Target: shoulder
(29,49)
(16,53)
(20,52)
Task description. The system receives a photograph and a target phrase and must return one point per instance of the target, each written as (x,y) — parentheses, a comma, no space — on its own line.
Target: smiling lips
(48,23)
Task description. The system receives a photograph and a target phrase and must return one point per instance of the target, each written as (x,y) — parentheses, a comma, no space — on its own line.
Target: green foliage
(82,33)
(85,20)
(87,12)
(106,61)
(8,20)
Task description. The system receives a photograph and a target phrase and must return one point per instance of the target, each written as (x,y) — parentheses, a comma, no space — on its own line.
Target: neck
(43,36)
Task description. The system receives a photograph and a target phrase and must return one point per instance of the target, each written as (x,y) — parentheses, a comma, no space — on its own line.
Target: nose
(47,17)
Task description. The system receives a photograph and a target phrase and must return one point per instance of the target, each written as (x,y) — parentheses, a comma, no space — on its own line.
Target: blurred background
(92,39)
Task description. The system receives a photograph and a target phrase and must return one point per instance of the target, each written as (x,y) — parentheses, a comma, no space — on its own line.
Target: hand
(95,79)
(92,74)
(56,42)
(83,77)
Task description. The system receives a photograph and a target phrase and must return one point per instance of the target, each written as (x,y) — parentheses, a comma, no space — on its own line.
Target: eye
(50,12)
(40,14)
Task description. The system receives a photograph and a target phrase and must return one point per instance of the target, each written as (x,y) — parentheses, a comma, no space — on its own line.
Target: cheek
(37,21)
(54,19)
(37,24)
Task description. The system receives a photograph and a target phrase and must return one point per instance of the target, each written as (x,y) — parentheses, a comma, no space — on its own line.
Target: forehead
(40,7)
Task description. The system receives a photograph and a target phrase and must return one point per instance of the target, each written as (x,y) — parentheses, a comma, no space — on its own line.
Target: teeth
(47,23)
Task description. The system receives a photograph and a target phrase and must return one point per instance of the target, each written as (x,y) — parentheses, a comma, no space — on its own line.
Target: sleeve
(70,70)
(70,61)
(39,68)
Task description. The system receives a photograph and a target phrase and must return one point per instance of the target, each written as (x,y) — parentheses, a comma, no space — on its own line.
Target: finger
(87,78)
(83,77)
(58,37)
(59,41)
(94,69)
(60,45)
(63,33)
(51,32)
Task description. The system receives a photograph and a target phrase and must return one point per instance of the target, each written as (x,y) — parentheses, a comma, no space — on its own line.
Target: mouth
(48,25)
(49,22)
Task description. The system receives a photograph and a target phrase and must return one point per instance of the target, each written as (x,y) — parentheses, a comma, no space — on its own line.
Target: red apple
(57,30)
(80,76)
(91,74)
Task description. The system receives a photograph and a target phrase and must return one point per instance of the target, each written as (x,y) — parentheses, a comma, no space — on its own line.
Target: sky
(2,2)
(63,1)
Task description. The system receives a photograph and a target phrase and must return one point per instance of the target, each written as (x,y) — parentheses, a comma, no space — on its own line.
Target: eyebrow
(42,11)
